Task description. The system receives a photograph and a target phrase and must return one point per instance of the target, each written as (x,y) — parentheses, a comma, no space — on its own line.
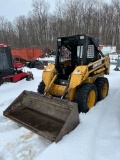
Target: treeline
(42,27)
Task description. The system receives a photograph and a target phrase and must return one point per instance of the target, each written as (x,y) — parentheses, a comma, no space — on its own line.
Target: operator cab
(74,51)
(6,63)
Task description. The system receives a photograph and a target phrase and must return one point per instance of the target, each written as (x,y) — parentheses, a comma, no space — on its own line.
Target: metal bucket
(50,117)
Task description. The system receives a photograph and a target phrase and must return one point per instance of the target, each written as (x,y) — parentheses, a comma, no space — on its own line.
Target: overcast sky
(13,8)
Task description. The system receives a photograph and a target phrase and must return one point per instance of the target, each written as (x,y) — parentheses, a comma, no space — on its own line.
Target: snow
(113,58)
(97,137)
(52,58)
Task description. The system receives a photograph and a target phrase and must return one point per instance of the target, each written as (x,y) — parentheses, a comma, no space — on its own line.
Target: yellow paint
(48,74)
(57,90)
(91,99)
(107,64)
(78,76)
(71,94)
(51,83)
(105,90)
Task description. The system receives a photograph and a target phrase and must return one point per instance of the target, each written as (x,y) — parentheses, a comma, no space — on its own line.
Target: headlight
(77,71)
(82,37)
(59,40)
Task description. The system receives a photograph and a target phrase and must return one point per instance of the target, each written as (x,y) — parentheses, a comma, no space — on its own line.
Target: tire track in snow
(20,148)
(7,125)
(102,117)
(109,129)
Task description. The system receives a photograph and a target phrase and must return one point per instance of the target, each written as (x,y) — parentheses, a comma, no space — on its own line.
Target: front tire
(86,97)
(41,87)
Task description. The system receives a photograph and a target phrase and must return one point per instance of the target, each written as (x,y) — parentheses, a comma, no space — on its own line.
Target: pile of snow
(97,137)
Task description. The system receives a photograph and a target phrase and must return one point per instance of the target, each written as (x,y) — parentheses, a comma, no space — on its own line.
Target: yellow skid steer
(74,84)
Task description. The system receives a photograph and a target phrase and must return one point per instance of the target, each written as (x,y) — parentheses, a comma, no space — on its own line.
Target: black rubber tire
(82,94)
(41,87)
(100,82)
(29,78)
(37,64)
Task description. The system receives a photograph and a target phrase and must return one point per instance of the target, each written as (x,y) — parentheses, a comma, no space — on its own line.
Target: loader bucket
(51,118)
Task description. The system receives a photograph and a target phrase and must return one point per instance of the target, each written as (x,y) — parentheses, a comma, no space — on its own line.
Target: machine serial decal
(97,64)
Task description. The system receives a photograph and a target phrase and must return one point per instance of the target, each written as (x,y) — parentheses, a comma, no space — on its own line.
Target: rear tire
(41,87)
(86,97)
(102,85)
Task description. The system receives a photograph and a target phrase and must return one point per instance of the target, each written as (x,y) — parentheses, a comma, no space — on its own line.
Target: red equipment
(9,70)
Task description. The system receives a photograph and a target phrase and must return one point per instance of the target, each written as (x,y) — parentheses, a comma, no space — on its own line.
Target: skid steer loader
(74,84)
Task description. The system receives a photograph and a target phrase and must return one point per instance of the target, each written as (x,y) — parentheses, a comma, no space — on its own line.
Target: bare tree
(41,27)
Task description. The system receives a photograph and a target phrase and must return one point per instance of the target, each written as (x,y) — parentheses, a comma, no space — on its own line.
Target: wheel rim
(105,90)
(91,99)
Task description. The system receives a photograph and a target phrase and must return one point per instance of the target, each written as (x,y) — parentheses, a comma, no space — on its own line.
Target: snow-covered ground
(97,137)
(113,58)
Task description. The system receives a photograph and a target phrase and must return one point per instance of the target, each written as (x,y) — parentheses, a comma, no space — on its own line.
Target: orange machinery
(25,54)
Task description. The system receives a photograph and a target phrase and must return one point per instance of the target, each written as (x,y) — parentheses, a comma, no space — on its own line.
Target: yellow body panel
(78,76)
(57,90)
(48,74)
(71,94)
